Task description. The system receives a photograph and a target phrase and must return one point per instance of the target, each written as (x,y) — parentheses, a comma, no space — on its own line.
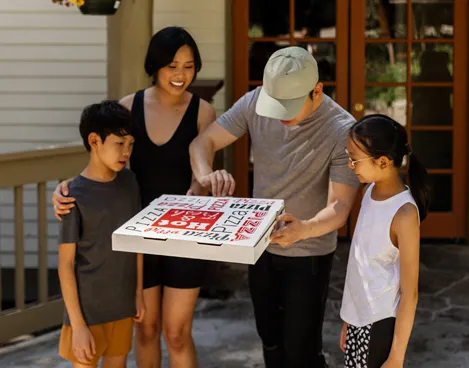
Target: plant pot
(100,7)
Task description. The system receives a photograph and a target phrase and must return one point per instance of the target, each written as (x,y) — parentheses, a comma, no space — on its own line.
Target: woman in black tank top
(168,119)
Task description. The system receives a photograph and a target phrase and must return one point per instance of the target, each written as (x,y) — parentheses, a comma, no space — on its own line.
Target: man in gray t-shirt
(298,138)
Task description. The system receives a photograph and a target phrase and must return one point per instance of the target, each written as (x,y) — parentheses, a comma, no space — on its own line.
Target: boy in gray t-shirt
(298,138)
(102,289)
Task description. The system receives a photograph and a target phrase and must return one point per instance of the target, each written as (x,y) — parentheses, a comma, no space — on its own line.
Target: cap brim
(279,109)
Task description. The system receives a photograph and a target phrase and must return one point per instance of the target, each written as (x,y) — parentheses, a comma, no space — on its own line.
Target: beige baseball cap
(290,75)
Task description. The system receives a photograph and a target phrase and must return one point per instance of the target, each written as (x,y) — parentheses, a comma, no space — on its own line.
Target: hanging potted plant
(92,7)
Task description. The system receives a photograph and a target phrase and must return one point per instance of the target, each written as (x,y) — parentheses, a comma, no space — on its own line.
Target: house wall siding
(52,63)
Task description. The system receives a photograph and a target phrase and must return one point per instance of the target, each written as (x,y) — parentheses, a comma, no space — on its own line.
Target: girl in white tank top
(381,286)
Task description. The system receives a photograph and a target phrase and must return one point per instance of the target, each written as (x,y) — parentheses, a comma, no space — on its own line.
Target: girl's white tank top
(371,291)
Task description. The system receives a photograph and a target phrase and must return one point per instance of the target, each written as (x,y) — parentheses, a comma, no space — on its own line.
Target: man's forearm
(331,218)
(202,154)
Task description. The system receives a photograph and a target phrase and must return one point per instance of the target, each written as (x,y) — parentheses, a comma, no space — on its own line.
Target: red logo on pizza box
(188,220)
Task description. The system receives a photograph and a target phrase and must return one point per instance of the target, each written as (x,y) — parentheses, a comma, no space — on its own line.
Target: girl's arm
(405,229)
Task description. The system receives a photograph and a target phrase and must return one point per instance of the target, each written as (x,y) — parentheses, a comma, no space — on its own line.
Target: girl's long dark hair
(382,136)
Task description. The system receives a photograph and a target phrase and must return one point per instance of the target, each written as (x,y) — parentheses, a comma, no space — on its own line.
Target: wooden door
(408,59)
(260,27)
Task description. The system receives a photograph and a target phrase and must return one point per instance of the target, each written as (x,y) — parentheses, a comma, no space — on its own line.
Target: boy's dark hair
(382,136)
(105,118)
(164,45)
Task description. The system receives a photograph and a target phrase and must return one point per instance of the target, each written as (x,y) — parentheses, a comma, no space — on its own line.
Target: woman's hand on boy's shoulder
(62,204)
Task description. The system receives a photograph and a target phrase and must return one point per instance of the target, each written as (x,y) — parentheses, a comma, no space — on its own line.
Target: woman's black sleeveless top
(163,169)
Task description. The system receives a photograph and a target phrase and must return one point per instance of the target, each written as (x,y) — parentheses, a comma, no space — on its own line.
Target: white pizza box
(212,228)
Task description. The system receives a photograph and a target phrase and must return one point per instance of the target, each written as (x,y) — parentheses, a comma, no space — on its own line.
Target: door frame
(438,224)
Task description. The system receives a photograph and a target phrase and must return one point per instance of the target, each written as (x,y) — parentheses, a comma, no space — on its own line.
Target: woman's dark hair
(105,118)
(382,136)
(164,45)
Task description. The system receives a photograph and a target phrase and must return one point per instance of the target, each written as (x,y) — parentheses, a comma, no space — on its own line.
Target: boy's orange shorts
(111,339)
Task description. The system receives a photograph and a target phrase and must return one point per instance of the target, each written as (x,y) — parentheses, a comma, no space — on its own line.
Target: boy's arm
(68,284)
(69,236)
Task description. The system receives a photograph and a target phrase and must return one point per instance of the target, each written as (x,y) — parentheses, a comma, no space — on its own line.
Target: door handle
(358,107)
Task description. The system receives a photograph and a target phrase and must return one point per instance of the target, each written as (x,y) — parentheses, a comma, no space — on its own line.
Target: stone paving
(225,334)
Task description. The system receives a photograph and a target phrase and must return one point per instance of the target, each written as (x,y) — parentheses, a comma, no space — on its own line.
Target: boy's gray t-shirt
(296,163)
(106,279)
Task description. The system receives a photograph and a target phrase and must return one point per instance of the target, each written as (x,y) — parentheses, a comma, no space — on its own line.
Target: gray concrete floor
(225,335)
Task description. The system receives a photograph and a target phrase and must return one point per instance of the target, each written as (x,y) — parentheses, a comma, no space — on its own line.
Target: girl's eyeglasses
(353,162)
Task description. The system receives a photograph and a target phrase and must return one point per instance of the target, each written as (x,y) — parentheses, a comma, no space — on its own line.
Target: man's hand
(294,230)
(83,344)
(220,183)
(62,204)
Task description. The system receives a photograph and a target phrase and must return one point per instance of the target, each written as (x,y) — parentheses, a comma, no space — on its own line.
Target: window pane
(433,19)
(315,18)
(390,101)
(272,23)
(386,62)
(432,62)
(441,101)
(441,193)
(433,149)
(385,19)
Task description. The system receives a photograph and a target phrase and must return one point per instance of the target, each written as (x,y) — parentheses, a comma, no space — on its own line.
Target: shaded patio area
(225,335)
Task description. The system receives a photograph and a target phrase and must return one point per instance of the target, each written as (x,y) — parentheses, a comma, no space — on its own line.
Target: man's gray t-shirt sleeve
(339,170)
(70,227)
(235,120)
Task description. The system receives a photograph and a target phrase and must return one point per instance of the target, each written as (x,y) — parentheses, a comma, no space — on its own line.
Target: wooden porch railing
(16,170)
